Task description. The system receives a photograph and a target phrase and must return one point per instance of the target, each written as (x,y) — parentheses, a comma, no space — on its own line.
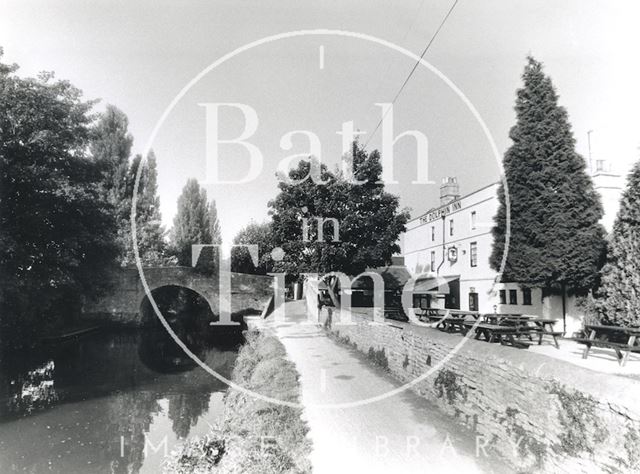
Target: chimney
(449,190)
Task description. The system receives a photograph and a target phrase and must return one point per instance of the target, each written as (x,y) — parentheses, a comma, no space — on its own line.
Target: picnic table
(506,328)
(544,327)
(430,312)
(506,319)
(431,315)
(510,328)
(622,349)
(505,334)
(395,313)
(448,320)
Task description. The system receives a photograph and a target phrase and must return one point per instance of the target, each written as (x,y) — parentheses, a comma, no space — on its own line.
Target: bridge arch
(174,301)
(125,296)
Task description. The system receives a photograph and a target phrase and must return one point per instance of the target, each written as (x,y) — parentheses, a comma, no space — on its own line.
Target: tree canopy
(57,229)
(253,234)
(214,224)
(149,229)
(620,292)
(368,218)
(110,147)
(192,224)
(555,238)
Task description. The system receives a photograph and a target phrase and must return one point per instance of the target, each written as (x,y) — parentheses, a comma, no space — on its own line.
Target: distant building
(447,250)
(609,185)
(450,245)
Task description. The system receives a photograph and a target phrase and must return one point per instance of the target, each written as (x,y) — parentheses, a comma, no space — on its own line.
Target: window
(473,220)
(473,254)
(526,296)
(433,233)
(451,227)
(503,296)
(513,296)
(433,261)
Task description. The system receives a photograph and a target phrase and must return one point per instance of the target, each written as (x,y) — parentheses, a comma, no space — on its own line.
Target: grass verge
(255,437)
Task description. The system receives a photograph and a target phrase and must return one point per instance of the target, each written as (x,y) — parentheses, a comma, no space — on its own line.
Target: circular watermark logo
(351,134)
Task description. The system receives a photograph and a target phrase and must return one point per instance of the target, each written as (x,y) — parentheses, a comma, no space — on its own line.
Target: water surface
(109,402)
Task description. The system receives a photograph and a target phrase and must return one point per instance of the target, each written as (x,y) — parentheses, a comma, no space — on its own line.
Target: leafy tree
(368,218)
(110,147)
(621,274)
(253,234)
(149,229)
(57,231)
(191,224)
(555,239)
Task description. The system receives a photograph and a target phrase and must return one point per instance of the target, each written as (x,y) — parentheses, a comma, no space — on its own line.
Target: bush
(200,455)
(591,307)
(257,436)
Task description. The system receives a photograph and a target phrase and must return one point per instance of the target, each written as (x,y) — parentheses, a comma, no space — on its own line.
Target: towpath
(399,434)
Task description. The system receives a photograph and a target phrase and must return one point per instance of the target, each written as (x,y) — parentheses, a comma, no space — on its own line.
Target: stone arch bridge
(122,303)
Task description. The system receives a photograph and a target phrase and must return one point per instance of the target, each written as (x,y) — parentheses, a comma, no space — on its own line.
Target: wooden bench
(554,335)
(452,324)
(622,350)
(444,323)
(396,314)
(429,314)
(517,343)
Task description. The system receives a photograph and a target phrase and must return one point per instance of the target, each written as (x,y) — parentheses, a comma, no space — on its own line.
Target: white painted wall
(422,238)
(417,244)
(609,185)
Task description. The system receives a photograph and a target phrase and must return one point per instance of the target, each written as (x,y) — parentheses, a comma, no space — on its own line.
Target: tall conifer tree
(214,224)
(110,147)
(556,241)
(191,224)
(149,229)
(621,274)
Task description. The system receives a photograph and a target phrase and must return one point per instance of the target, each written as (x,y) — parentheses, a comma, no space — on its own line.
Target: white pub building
(447,250)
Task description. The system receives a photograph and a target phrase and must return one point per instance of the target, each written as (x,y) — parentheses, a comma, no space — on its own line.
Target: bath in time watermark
(313,154)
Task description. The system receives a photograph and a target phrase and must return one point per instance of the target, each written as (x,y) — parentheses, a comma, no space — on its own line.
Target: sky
(139,55)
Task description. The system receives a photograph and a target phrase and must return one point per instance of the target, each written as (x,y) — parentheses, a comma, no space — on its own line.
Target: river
(109,402)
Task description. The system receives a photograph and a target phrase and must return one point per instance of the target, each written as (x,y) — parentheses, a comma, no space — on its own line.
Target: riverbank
(255,436)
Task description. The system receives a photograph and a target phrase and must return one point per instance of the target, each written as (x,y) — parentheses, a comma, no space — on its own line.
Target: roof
(394,277)
(433,284)
(458,199)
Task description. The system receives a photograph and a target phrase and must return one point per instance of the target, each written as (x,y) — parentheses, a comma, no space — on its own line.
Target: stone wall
(539,414)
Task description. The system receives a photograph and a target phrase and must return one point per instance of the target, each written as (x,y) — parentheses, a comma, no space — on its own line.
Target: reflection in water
(94,404)
(184,411)
(159,352)
(33,391)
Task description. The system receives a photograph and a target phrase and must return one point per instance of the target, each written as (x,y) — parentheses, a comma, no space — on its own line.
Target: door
(473,302)
(452,299)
